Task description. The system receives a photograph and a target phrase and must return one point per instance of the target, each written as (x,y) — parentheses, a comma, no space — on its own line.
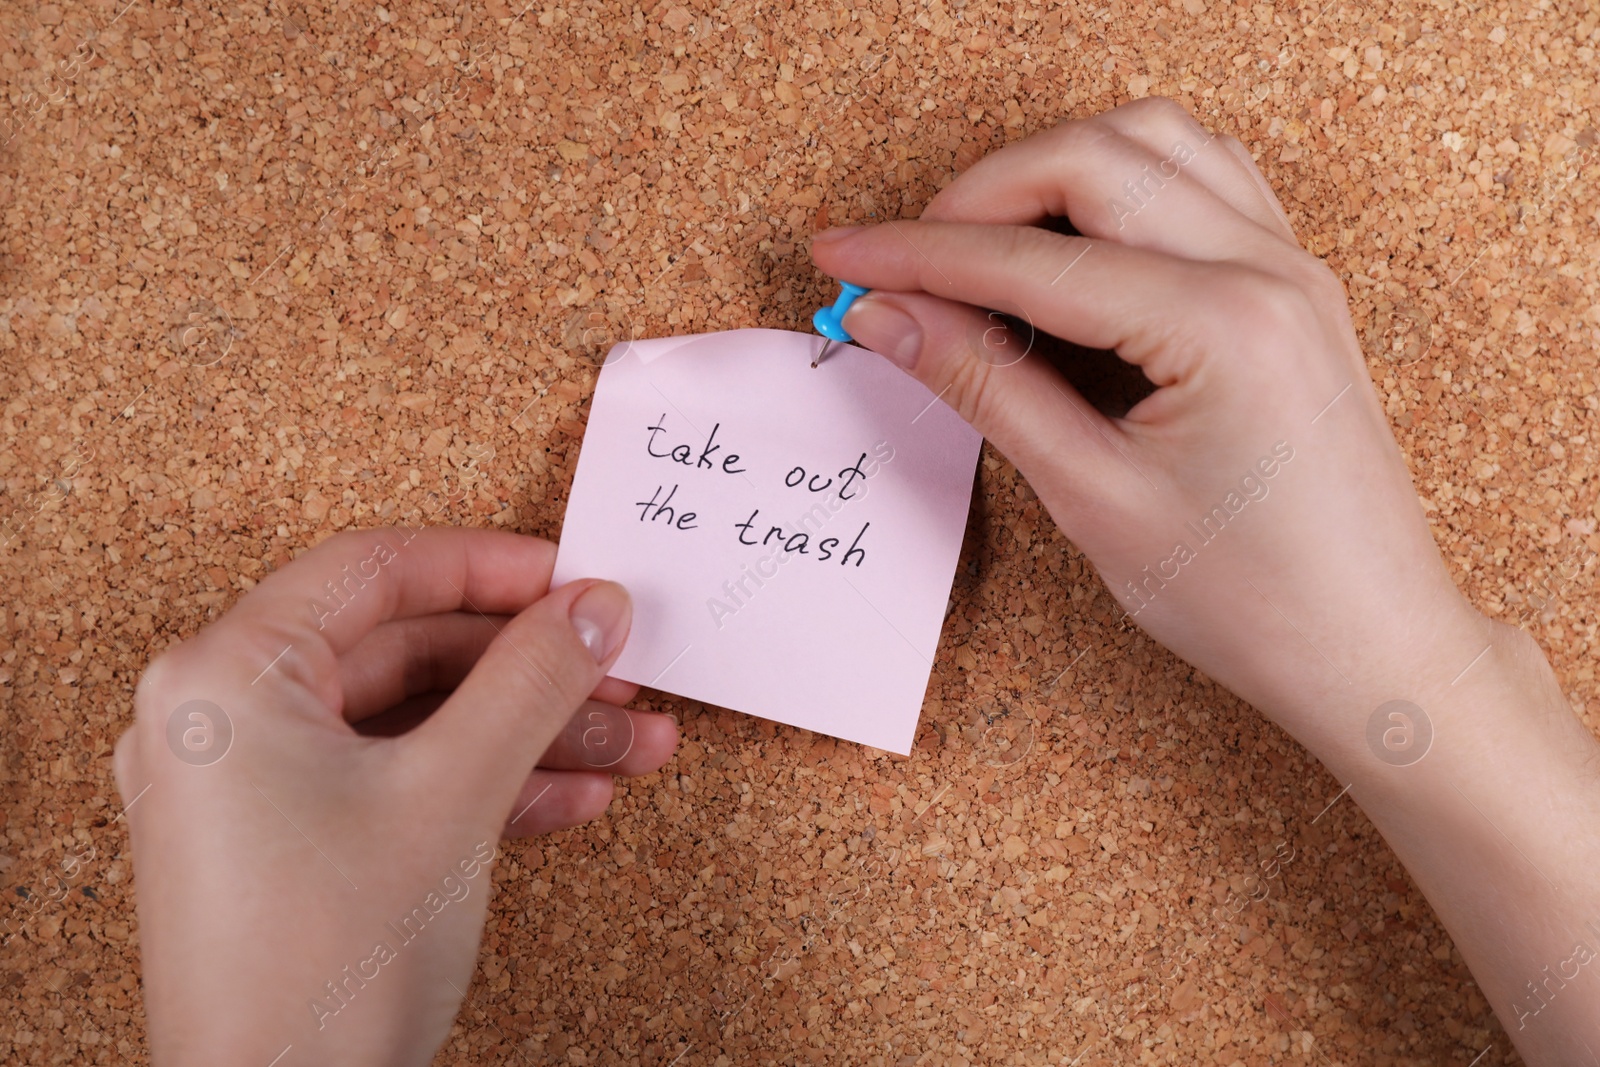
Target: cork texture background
(272,271)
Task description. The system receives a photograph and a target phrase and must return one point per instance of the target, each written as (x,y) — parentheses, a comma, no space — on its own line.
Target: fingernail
(601,616)
(886,330)
(838,233)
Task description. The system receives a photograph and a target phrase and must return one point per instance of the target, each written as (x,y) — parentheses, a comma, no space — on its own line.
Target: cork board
(268,273)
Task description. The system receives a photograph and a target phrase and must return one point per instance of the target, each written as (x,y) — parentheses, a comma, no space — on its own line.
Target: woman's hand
(313,820)
(1254,514)
(1256,500)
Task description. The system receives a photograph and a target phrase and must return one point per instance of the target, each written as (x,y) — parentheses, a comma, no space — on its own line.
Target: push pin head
(829,321)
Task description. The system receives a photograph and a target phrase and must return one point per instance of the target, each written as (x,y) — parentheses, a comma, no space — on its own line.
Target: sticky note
(789,534)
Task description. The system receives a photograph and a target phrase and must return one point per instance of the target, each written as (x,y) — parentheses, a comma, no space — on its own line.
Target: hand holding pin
(829,321)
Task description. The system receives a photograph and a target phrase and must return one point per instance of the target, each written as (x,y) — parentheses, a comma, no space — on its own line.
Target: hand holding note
(368,760)
(788,533)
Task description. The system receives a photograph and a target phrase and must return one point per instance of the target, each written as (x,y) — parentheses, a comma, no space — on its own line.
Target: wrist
(1388,686)
(1500,727)
(1494,824)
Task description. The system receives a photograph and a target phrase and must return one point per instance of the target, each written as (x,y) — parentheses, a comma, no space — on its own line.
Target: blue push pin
(829,321)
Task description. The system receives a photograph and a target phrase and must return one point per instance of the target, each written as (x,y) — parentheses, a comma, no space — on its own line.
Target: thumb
(994,377)
(524,688)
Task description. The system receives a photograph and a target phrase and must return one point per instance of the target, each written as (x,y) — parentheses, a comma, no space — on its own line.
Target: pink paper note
(788,534)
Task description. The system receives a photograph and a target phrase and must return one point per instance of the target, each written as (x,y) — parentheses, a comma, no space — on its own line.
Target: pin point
(829,321)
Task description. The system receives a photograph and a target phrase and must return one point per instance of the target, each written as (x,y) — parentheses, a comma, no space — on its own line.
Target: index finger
(303,617)
(1100,294)
(1113,185)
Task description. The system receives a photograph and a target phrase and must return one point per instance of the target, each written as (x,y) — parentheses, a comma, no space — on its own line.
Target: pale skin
(1249,340)
(265,875)
(1317,603)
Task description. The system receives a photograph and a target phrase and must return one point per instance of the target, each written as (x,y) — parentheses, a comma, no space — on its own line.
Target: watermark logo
(454,886)
(1402,333)
(1001,339)
(600,333)
(1399,733)
(606,738)
(1142,190)
(1253,487)
(1002,737)
(202,333)
(199,733)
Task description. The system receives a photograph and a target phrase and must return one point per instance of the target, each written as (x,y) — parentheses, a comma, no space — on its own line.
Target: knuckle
(1082,138)
(1234,147)
(349,541)
(164,678)
(1297,285)
(1317,279)
(1162,108)
(1034,252)
(1272,308)
(1165,105)
(973,391)
(1160,114)
(162,688)
(125,760)
(564,677)
(587,802)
